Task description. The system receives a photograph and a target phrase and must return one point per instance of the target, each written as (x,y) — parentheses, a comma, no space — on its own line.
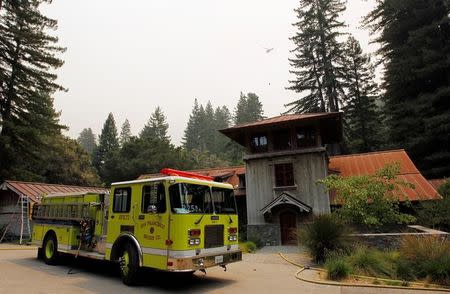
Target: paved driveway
(264,272)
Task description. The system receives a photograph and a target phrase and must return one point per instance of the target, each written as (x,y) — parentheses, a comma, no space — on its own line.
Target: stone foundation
(268,234)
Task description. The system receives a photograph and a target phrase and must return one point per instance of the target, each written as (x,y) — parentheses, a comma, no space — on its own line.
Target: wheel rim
(49,248)
(124,263)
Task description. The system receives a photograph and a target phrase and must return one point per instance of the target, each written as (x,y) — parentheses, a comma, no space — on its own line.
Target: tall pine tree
(107,148)
(27,81)
(414,38)
(156,127)
(191,138)
(86,139)
(361,116)
(125,133)
(317,57)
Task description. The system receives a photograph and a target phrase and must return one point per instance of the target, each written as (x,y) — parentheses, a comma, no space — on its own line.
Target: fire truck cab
(178,222)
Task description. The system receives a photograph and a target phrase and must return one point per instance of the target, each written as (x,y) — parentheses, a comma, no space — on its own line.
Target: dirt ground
(264,272)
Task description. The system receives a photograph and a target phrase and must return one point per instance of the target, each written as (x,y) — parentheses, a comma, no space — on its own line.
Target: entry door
(288,224)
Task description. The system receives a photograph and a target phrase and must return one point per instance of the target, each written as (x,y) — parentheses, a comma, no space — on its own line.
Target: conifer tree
(86,139)
(125,133)
(27,81)
(361,116)
(208,131)
(191,138)
(156,128)
(414,39)
(248,109)
(107,148)
(222,119)
(317,57)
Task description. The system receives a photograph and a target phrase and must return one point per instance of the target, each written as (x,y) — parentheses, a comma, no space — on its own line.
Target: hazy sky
(127,57)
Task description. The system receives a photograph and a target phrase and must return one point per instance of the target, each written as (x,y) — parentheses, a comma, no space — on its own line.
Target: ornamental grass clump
(324,235)
(428,257)
(337,268)
(373,262)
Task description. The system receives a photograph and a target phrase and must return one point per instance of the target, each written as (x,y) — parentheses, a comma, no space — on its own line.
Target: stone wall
(269,234)
(384,241)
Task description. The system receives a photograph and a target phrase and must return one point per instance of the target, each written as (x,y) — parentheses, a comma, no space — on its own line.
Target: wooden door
(288,224)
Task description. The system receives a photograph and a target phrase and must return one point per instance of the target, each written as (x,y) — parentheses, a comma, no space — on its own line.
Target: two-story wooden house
(286,155)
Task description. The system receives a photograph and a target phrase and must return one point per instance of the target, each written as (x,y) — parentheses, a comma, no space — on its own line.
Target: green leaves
(370,199)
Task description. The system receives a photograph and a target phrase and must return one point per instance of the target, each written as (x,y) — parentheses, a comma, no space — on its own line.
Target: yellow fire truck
(180,222)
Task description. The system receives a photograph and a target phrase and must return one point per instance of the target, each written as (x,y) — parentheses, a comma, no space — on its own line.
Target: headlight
(194,241)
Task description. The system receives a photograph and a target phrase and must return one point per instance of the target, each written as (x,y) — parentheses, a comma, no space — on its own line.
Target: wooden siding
(308,168)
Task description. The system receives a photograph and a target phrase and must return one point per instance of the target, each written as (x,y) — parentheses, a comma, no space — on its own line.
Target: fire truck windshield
(191,198)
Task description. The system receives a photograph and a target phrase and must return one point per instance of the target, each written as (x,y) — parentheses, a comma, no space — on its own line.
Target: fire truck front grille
(213,236)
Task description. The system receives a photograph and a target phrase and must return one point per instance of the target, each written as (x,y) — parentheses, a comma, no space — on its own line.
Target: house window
(153,198)
(259,143)
(306,137)
(122,200)
(284,175)
(282,140)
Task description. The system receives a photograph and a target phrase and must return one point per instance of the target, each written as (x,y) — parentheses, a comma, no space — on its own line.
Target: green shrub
(256,241)
(247,246)
(324,235)
(428,257)
(373,262)
(337,268)
(436,214)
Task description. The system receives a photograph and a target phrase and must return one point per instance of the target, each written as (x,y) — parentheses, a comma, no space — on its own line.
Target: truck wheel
(129,264)
(50,249)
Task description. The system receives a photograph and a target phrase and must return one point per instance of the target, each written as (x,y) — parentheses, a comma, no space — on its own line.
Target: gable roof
(285,198)
(369,163)
(35,190)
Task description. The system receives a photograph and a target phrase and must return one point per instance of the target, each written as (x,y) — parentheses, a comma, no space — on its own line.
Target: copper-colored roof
(329,123)
(369,163)
(36,190)
(436,183)
(287,118)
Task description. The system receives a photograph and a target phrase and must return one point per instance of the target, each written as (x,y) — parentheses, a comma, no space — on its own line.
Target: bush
(428,257)
(436,214)
(324,235)
(248,247)
(256,241)
(337,268)
(373,262)
(371,200)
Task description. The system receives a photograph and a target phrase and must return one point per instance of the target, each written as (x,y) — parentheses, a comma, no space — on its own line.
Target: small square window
(306,137)
(122,200)
(284,175)
(282,140)
(259,143)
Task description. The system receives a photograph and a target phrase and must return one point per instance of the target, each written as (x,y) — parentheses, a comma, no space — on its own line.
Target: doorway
(288,225)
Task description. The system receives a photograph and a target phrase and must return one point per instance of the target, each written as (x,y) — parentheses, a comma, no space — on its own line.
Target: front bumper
(201,262)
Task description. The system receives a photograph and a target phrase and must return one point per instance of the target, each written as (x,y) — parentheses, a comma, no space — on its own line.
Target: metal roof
(286,118)
(36,190)
(436,183)
(369,163)
(330,124)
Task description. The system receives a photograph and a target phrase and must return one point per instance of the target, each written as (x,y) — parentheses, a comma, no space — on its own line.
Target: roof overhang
(330,125)
(286,198)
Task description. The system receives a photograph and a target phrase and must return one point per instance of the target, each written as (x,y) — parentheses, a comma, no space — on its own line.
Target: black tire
(129,264)
(50,249)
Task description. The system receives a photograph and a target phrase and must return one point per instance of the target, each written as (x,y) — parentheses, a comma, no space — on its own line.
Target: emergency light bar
(174,172)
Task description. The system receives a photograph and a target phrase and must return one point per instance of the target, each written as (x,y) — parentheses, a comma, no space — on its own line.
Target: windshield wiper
(199,220)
